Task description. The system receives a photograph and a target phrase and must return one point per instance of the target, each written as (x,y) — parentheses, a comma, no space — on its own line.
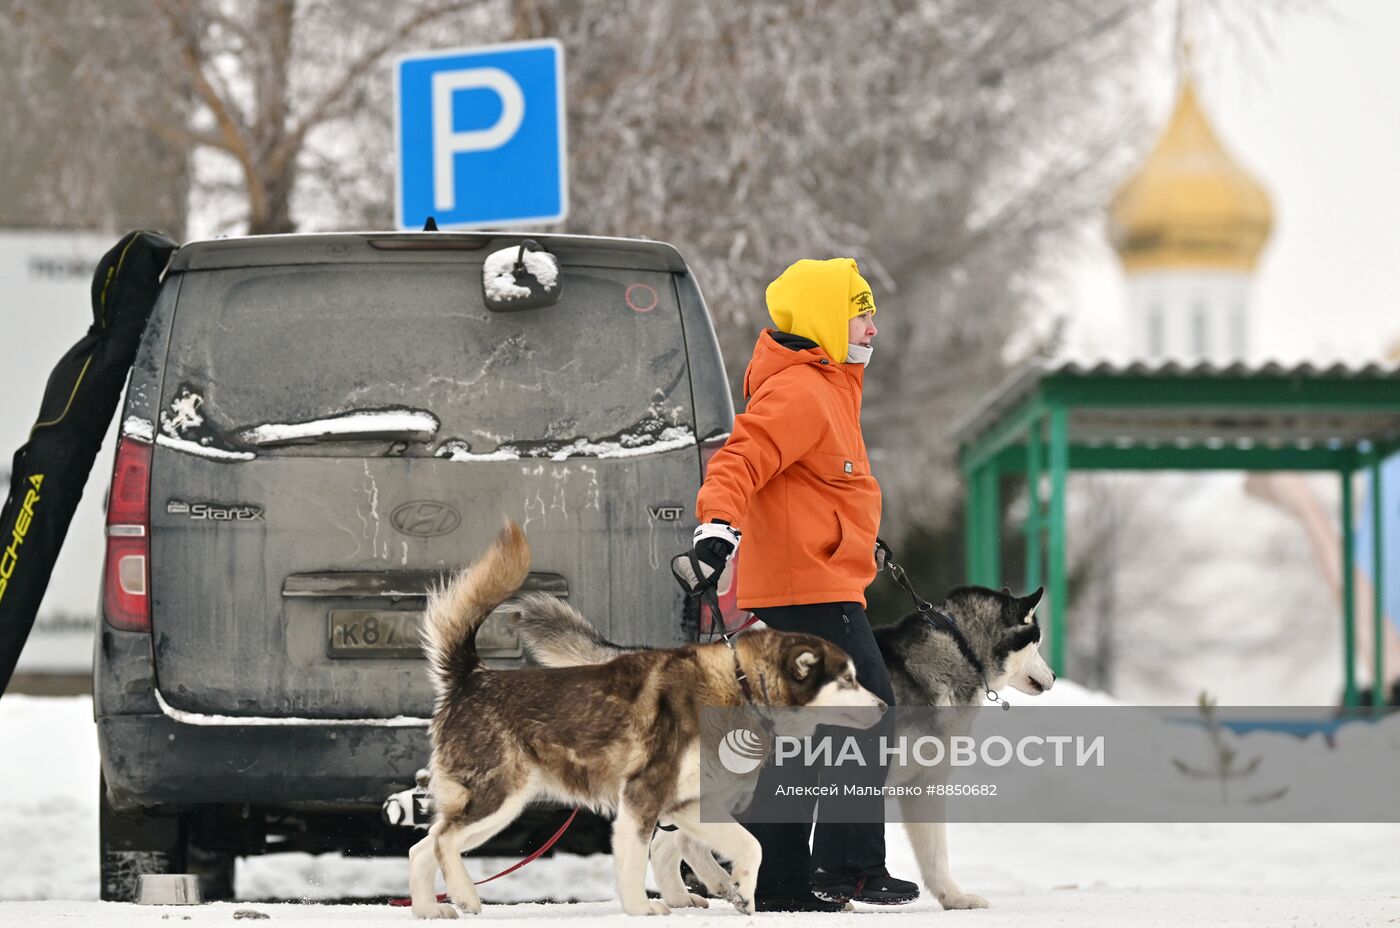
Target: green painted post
(1033,527)
(1348,595)
(1059,588)
(1377,588)
(972,549)
(991,525)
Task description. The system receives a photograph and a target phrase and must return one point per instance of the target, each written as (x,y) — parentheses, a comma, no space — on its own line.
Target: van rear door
(335,436)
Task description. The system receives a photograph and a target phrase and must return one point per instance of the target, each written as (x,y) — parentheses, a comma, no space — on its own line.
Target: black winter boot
(793,896)
(876,888)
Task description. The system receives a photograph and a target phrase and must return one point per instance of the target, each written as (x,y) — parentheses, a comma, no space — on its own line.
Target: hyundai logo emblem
(425,519)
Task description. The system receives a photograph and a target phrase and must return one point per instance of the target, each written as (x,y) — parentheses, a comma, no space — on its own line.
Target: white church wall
(1190,316)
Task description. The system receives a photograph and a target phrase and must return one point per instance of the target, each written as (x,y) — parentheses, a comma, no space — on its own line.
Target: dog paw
(649,907)
(962,900)
(436,910)
(470,906)
(741,903)
(686,901)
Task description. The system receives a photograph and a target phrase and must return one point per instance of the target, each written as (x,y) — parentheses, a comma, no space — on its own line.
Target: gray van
(316,429)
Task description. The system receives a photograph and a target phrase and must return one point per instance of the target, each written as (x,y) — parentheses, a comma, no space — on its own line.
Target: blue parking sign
(480,136)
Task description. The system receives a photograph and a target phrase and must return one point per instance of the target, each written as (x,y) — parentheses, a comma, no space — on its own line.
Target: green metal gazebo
(1049,419)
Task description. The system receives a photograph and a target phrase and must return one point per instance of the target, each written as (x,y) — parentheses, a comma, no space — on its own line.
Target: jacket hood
(817,300)
(777,351)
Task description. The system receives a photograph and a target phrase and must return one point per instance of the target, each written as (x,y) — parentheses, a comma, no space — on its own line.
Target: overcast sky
(1317,119)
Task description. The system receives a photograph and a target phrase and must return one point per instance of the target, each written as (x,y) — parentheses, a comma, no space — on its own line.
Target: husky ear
(1028,603)
(800,663)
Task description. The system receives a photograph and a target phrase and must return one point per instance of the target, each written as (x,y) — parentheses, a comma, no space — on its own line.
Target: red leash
(534,855)
(726,632)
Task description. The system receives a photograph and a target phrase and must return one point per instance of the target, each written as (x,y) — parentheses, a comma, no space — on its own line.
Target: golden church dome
(1190,205)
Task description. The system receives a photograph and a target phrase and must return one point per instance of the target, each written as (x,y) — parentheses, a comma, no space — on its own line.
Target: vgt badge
(664,513)
(425,518)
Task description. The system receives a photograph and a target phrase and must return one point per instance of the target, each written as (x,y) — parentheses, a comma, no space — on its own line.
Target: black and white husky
(927,667)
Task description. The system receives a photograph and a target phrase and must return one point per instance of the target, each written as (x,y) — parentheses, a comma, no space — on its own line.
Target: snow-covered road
(1035,875)
(1295,908)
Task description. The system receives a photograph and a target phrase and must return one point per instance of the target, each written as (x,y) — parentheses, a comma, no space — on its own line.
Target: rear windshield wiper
(379,425)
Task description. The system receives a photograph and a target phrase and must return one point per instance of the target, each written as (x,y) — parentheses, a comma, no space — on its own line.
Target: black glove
(883,554)
(715,543)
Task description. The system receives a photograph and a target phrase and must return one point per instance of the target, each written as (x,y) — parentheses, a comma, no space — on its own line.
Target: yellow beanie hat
(818,299)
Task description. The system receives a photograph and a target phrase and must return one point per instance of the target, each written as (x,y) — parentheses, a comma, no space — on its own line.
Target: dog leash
(534,855)
(705,592)
(937,618)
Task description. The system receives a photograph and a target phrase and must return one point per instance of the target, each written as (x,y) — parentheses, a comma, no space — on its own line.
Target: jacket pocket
(848,548)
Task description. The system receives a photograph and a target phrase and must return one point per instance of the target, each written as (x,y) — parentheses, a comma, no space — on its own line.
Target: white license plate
(373,633)
(385,633)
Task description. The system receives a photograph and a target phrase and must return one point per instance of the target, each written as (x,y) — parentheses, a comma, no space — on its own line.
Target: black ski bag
(49,471)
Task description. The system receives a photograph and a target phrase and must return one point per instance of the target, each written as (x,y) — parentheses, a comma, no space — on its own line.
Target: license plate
(373,633)
(383,633)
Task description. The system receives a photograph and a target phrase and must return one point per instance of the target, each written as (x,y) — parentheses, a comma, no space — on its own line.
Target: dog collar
(746,688)
(943,622)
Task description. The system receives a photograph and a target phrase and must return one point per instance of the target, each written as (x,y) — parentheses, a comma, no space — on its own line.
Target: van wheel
(134,843)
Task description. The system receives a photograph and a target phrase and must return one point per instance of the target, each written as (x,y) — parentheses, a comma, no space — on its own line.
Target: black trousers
(842,847)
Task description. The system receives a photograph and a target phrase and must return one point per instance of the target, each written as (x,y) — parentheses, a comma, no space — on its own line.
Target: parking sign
(480,136)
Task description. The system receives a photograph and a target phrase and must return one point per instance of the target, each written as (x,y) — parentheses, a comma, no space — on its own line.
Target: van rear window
(406,359)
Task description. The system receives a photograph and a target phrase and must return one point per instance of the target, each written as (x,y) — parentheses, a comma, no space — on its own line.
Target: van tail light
(728,581)
(127,571)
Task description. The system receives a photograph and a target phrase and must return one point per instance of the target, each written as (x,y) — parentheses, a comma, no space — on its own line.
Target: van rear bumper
(153,759)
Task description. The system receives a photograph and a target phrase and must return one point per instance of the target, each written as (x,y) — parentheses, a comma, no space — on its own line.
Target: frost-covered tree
(952,146)
(281,102)
(67,158)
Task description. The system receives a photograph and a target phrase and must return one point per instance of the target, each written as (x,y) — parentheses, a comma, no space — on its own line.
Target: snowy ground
(1034,875)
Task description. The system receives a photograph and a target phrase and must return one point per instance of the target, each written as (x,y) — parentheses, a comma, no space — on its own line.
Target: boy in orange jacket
(794,477)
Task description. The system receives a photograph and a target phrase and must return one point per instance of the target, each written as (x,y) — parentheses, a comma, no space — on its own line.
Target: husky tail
(556,635)
(456,611)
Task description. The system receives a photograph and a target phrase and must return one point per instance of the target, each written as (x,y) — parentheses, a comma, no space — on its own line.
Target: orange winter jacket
(795,479)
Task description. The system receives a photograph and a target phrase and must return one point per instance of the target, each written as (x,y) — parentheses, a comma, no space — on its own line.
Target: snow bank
(1036,875)
(1063,693)
(48,799)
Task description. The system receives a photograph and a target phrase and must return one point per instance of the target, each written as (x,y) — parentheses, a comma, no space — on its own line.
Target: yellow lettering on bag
(10,559)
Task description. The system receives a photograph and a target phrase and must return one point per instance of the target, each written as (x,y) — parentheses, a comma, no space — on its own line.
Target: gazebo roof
(1235,415)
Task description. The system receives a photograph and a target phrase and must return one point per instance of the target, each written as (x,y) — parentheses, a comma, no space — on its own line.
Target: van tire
(134,843)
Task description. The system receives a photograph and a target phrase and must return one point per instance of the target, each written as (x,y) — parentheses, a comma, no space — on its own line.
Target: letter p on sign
(481,136)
